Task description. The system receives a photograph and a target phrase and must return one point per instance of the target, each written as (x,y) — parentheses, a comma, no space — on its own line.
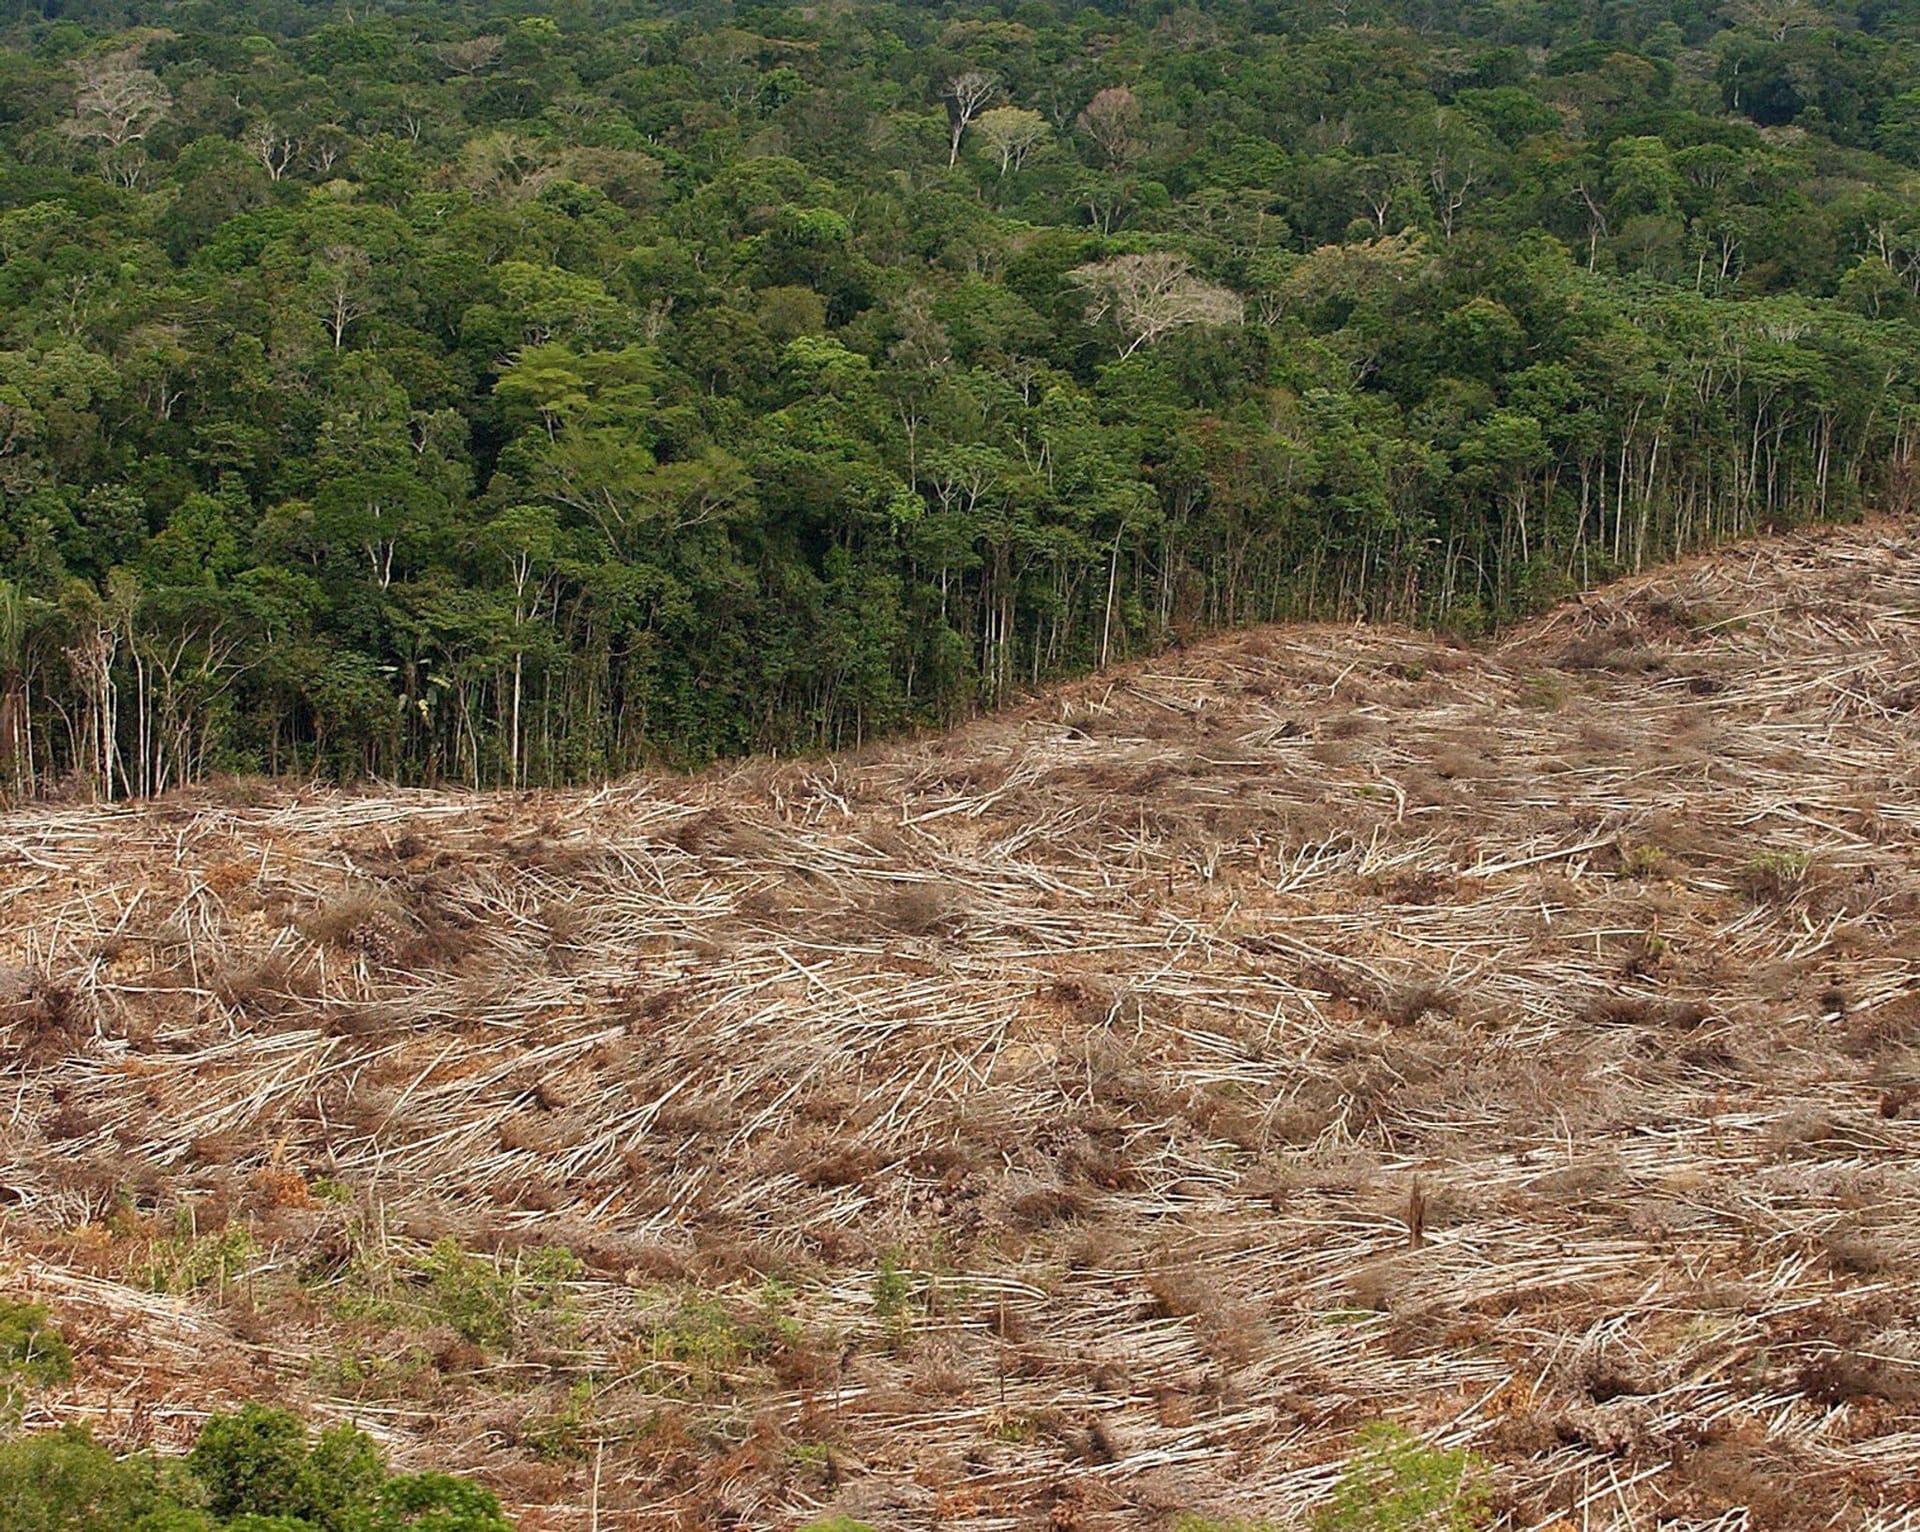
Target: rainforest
(512,394)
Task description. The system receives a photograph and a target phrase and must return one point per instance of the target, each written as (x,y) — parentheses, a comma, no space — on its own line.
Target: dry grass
(1097,1113)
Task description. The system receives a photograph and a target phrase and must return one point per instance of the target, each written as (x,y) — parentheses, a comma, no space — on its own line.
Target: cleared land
(1097,1113)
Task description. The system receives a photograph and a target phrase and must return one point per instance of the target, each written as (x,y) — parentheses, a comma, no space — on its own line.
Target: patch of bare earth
(1097,1113)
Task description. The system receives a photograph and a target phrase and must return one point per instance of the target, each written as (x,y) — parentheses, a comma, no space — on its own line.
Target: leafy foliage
(1395,1482)
(33,1354)
(32,1350)
(254,1471)
(187,1260)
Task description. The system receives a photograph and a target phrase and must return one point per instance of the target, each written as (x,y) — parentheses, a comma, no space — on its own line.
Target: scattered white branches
(1150,295)
(967,94)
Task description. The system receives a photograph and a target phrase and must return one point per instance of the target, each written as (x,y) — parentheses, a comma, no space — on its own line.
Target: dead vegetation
(1097,1114)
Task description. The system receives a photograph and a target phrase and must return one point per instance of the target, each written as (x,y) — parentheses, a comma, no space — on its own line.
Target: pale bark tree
(273,149)
(505,165)
(728,60)
(1188,29)
(654,322)
(16,718)
(325,146)
(1011,133)
(118,104)
(924,345)
(472,55)
(1451,183)
(1150,295)
(158,360)
(1381,183)
(969,92)
(1773,18)
(76,296)
(343,276)
(99,629)
(1597,229)
(1112,120)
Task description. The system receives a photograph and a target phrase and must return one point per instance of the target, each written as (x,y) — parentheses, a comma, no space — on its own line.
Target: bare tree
(1150,295)
(272,148)
(969,92)
(118,104)
(1772,18)
(471,55)
(1380,184)
(1451,183)
(1188,28)
(729,61)
(1112,120)
(1011,134)
(325,145)
(1596,221)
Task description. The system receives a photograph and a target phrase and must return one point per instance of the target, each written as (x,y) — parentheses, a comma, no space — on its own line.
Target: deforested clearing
(1097,1115)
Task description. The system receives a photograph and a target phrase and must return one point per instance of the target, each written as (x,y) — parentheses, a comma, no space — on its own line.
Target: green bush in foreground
(31,1350)
(1395,1482)
(32,1355)
(254,1471)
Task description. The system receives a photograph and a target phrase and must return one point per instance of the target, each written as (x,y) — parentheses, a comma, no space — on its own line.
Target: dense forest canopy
(517,393)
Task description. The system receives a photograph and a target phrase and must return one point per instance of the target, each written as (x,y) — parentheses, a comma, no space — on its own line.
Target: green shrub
(566,1432)
(254,1471)
(1645,862)
(892,1288)
(696,1349)
(1396,1482)
(258,1462)
(63,1481)
(186,1261)
(473,1296)
(484,1303)
(436,1502)
(1774,877)
(31,1350)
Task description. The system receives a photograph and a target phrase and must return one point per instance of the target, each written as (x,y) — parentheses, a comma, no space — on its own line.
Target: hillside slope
(1098,1113)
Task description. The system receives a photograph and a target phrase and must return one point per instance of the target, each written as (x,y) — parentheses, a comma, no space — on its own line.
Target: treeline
(519,394)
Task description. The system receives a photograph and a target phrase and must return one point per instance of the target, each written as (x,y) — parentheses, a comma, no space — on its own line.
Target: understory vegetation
(517,393)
